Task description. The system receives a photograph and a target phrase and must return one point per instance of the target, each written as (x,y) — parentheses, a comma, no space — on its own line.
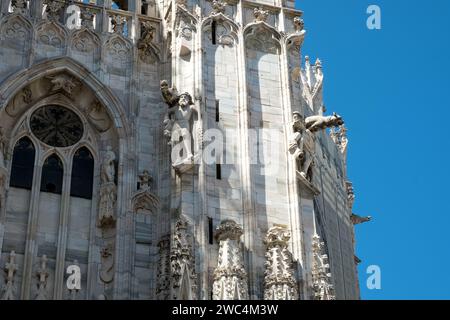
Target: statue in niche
(98,116)
(302,146)
(179,124)
(108,189)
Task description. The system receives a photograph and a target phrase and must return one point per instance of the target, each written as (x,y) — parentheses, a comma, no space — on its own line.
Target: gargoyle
(357,219)
(316,123)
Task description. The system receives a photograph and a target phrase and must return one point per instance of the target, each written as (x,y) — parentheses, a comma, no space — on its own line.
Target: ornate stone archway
(66,81)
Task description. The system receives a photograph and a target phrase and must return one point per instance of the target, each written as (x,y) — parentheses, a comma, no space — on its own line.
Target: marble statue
(302,146)
(316,123)
(108,189)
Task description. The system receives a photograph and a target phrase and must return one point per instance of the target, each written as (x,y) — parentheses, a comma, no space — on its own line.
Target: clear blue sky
(392,87)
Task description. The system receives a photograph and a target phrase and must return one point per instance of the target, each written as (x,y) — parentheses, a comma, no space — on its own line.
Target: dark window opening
(82,174)
(23,164)
(144,7)
(217,110)
(213,32)
(120,4)
(218,171)
(210,230)
(52,175)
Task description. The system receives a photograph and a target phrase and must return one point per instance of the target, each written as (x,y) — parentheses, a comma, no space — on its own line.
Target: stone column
(230,277)
(279,280)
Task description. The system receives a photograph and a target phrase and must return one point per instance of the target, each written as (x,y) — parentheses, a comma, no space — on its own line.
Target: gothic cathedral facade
(169,149)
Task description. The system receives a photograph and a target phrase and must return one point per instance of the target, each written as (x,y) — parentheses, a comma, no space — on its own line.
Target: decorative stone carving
(299,24)
(98,116)
(84,41)
(51,34)
(9,289)
(145,180)
(63,82)
(185,26)
(279,280)
(118,23)
(358,219)
(169,94)
(20,100)
(163,277)
(148,52)
(350,194)
(321,277)
(260,14)
(181,3)
(144,200)
(339,136)
(264,39)
(107,263)
(118,48)
(184,278)
(42,276)
(218,6)
(318,76)
(316,123)
(230,277)
(180,122)
(19,6)
(53,9)
(87,16)
(16,28)
(302,146)
(108,190)
(225,29)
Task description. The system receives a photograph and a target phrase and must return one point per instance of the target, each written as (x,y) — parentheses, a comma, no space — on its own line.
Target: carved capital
(277,236)
(229,229)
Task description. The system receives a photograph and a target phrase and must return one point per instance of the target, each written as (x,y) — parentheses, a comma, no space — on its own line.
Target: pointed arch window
(23,164)
(52,175)
(82,174)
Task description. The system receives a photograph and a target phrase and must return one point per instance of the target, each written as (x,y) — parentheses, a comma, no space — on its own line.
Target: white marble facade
(156,228)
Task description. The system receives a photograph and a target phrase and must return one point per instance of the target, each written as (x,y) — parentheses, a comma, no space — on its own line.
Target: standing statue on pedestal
(302,146)
(180,122)
(108,189)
